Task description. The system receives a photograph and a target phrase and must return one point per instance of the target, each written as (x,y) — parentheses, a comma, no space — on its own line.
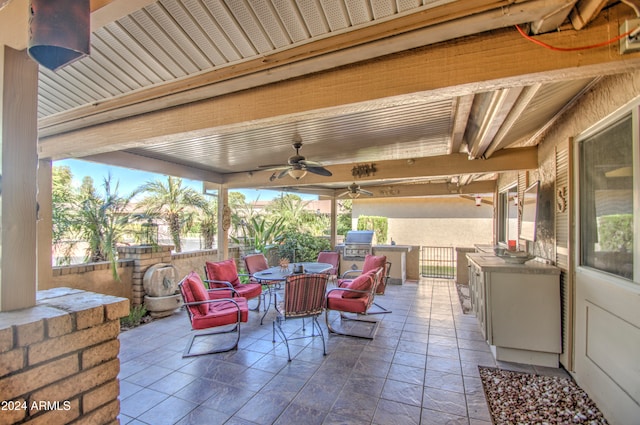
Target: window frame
(632,109)
(503,235)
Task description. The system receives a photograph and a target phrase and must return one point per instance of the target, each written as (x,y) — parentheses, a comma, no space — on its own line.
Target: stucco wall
(94,277)
(438,221)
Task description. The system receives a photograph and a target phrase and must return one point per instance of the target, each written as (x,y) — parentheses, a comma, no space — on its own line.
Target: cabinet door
(482,302)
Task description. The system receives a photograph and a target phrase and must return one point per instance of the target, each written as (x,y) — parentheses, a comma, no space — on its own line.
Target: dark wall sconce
(363,170)
(59,31)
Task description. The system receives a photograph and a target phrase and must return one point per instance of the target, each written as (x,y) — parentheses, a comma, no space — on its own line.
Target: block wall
(59,360)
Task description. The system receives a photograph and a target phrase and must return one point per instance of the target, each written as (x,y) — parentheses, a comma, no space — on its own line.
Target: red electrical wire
(573,49)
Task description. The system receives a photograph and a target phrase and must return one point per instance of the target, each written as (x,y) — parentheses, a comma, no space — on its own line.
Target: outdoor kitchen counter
(404,261)
(518,308)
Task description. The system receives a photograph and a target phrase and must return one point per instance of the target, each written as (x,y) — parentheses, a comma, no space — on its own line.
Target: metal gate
(438,261)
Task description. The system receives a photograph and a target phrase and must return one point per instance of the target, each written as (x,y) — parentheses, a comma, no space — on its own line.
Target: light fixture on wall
(478,199)
(59,31)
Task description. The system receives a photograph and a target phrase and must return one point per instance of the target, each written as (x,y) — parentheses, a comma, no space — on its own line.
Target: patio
(420,368)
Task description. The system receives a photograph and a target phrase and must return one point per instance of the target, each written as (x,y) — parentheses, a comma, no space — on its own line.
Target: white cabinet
(518,308)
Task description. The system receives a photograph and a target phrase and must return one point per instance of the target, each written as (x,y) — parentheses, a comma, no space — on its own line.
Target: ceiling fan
(297,166)
(354,190)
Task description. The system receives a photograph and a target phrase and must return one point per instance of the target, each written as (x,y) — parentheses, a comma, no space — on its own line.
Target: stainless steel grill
(357,244)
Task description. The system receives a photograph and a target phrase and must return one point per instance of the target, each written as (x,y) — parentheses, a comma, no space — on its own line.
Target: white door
(607,315)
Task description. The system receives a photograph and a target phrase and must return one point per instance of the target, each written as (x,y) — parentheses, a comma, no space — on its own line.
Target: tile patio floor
(422,368)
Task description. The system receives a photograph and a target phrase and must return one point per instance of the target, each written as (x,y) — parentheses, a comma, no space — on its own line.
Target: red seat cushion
(223,270)
(194,291)
(249,290)
(335,301)
(222,313)
(360,283)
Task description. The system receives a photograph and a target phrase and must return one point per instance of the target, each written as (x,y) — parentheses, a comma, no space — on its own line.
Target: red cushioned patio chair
(224,274)
(371,262)
(205,311)
(333,258)
(352,301)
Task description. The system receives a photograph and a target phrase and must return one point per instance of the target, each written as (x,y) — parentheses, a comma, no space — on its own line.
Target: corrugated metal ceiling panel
(171,39)
(415,130)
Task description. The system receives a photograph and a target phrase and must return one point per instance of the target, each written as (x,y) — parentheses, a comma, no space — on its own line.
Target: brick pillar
(143,256)
(59,359)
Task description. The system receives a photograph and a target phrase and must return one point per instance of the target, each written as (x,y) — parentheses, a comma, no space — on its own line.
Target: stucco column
(334,226)
(224,217)
(45,225)
(18,116)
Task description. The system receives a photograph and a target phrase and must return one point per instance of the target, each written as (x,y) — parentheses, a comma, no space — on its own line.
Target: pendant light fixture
(59,31)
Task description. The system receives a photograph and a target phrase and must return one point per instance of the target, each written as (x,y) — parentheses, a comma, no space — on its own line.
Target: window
(508,215)
(606,176)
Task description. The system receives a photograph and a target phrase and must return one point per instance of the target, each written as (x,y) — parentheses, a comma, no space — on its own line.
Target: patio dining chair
(371,262)
(333,258)
(208,312)
(304,296)
(352,301)
(224,274)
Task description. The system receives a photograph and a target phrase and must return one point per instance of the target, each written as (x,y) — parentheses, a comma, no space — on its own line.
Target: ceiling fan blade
(310,163)
(319,170)
(273,167)
(365,192)
(343,194)
(283,173)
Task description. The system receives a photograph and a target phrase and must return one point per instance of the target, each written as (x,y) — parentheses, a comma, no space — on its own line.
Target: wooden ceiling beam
(426,189)
(151,165)
(434,166)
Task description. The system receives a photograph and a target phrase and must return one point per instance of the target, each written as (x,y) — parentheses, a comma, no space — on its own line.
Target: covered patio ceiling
(439,95)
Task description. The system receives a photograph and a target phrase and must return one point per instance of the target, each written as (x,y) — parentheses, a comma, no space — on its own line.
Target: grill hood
(365,237)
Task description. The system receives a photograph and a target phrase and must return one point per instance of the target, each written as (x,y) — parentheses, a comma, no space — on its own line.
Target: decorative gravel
(523,398)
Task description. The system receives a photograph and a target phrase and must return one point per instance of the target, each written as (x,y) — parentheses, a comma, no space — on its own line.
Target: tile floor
(422,368)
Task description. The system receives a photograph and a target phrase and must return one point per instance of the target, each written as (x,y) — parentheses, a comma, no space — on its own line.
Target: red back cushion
(360,283)
(223,270)
(256,263)
(373,262)
(194,290)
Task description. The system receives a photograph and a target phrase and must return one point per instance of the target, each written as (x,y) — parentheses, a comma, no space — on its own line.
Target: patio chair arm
(222,282)
(359,291)
(234,293)
(348,272)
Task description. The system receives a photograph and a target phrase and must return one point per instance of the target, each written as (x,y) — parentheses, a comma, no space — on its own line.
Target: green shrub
(135,317)
(615,233)
(379,225)
(298,247)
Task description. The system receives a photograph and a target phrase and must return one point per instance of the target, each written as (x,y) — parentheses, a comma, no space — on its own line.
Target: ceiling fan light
(297,173)
(354,195)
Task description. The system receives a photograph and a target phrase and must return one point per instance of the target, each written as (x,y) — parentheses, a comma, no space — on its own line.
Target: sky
(130,179)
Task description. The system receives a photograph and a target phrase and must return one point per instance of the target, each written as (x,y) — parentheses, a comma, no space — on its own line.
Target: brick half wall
(59,360)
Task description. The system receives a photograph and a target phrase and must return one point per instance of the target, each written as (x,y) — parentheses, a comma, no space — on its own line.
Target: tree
(209,222)
(344,218)
(102,220)
(63,198)
(297,216)
(172,203)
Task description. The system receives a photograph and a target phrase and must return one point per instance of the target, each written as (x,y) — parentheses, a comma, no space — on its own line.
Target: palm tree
(172,203)
(102,220)
(209,222)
